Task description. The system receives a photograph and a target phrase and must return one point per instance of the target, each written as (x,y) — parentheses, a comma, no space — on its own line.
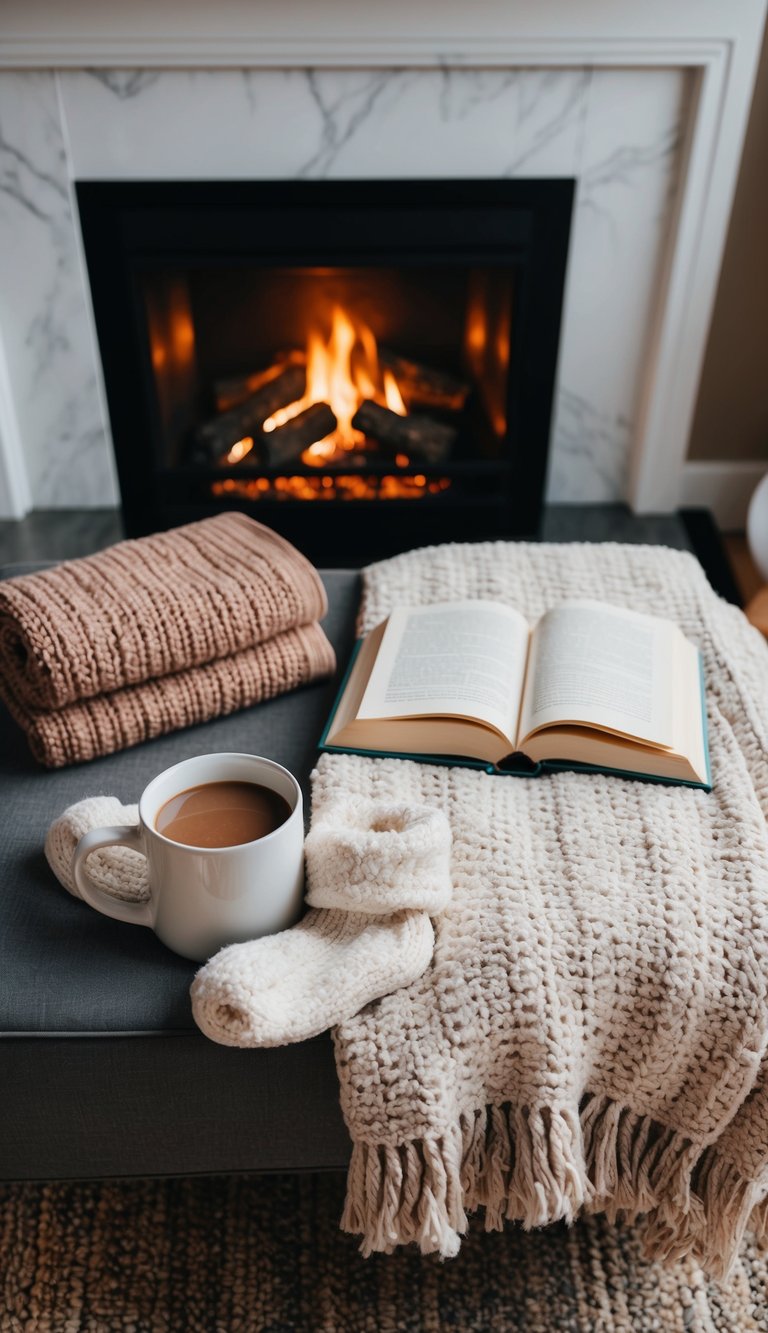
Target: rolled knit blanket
(592,1029)
(115,721)
(148,608)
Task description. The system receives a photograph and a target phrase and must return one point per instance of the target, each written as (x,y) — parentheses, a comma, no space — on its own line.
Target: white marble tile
(315,123)
(616,131)
(627,173)
(45,317)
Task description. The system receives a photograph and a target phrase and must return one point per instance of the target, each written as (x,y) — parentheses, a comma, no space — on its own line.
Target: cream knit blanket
(591,1031)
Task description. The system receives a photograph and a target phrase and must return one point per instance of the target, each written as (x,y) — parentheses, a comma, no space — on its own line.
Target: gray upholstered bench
(102,1070)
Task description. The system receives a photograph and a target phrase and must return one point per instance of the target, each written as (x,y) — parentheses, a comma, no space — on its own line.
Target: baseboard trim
(722,487)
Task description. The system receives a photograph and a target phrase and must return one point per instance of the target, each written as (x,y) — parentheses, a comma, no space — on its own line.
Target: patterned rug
(264,1255)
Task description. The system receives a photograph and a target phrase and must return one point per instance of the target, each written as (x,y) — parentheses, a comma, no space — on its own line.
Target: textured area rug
(264,1255)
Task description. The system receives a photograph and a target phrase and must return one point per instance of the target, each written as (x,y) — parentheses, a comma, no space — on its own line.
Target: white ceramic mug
(202,898)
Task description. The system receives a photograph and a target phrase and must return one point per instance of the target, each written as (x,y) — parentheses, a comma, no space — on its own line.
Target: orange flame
(342,370)
(392,395)
(239,449)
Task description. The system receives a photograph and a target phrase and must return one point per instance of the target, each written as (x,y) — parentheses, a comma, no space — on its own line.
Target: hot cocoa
(222,814)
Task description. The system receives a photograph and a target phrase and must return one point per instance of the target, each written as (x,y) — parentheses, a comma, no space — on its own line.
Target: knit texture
(151,607)
(292,986)
(120,871)
(111,722)
(374,937)
(378,857)
(156,634)
(375,872)
(591,1031)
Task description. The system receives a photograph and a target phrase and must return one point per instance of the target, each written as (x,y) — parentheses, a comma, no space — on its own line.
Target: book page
(604,666)
(457,659)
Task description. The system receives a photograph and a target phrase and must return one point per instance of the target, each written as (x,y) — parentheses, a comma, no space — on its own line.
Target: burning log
(422,386)
(429,441)
(285,444)
(216,437)
(232,391)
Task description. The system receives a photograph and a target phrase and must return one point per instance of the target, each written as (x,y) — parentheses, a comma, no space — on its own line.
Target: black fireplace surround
(203,290)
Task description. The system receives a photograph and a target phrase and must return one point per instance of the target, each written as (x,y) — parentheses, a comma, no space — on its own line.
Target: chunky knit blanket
(591,1032)
(156,634)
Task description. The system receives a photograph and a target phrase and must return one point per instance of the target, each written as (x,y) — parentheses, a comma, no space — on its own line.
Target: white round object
(757,527)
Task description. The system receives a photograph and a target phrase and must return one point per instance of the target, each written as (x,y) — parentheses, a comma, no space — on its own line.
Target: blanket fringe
(724,1206)
(538,1165)
(411,1193)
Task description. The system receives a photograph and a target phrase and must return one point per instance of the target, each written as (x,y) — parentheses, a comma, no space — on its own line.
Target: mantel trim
(224,52)
(177,33)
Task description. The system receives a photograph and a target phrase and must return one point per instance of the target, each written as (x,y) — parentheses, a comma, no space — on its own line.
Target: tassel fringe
(541,1165)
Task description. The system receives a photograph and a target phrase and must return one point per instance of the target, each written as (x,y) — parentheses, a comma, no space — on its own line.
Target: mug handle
(120,835)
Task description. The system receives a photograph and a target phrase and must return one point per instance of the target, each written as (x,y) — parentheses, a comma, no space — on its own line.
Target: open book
(590,685)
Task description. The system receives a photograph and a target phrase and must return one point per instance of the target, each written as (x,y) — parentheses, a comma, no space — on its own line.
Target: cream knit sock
(377,857)
(289,987)
(375,873)
(118,870)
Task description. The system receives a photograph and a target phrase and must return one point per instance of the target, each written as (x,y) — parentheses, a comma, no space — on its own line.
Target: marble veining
(47,333)
(345,112)
(125,83)
(568,114)
(591,459)
(625,191)
(616,131)
(22,180)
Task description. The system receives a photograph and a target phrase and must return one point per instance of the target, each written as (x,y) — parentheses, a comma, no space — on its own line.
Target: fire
(342,370)
(392,395)
(239,449)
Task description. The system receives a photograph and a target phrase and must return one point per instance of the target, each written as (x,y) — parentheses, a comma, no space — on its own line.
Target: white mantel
(645,105)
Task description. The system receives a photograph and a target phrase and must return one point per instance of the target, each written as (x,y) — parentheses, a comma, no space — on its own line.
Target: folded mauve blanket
(147,608)
(592,1030)
(157,634)
(115,721)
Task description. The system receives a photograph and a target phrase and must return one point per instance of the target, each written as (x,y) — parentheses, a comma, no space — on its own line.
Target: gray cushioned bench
(102,1071)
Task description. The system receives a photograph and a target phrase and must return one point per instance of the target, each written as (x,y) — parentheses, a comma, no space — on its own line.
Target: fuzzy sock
(292,986)
(118,870)
(375,873)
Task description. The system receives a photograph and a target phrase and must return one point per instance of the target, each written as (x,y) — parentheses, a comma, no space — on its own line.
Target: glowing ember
(239,449)
(321,452)
(352,487)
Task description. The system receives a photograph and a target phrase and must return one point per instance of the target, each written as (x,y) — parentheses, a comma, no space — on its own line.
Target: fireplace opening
(364,366)
(334,384)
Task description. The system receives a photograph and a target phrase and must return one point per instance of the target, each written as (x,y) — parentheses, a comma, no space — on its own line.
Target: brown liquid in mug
(222,814)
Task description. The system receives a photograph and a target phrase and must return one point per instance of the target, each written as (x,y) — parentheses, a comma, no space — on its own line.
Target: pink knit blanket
(156,634)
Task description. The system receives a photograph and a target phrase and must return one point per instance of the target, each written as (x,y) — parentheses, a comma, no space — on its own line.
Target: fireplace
(364,366)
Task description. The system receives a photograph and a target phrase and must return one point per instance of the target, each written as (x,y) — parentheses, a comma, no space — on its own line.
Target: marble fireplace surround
(646,110)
